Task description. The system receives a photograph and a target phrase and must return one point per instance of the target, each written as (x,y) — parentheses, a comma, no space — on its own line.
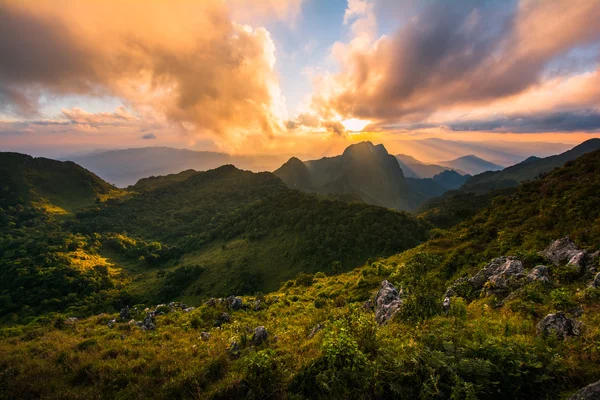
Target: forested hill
(564,202)
(240,224)
(49,182)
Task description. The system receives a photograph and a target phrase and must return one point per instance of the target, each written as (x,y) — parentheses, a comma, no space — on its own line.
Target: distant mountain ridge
(526,170)
(126,167)
(471,164)
(414,168)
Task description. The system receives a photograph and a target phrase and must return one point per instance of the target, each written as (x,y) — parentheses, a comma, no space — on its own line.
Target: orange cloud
(186,61)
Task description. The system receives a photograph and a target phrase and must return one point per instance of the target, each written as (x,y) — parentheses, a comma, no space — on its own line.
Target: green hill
(250,232)
(62,187)
(477,192)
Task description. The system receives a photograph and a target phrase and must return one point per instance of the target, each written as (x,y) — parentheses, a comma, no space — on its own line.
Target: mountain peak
(366,146)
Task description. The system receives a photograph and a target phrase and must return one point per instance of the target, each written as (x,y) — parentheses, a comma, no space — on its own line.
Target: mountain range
(126,167)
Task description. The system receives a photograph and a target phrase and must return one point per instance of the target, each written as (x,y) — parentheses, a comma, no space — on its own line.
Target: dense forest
(465,314)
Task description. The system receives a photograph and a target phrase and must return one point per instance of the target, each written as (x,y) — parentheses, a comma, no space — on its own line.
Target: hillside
(363,169)
(471,164)
(527,170)
(457,205)
(61,187)
(126,167)
(232,222)
(384,330)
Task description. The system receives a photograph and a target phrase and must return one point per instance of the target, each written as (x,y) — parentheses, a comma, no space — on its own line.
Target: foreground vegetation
(323,341)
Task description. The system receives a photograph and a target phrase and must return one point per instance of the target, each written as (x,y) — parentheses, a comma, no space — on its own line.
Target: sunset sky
(295,76)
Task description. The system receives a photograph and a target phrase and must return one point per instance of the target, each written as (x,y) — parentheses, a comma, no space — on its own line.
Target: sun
(355,124)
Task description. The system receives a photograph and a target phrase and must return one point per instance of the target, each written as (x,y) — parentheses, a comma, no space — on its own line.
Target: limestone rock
(539,274)
(387,302)
(148,324)
(234,303)
(559,324)
(499,275)
(211,302)
(224,318)
(561,251)
(590,392)
(260,336)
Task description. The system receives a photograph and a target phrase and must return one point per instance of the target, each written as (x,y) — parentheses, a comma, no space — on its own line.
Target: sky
(295,76)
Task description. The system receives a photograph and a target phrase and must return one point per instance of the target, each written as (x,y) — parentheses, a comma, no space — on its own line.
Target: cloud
(120,117)
(561,121)
(187,62)
(453,54)
(149,136)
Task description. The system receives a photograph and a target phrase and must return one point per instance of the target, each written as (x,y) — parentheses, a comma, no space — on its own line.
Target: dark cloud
(459,53)
(562,121)
(149,136)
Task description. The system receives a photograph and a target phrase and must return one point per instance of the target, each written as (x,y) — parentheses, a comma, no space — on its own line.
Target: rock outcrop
(260,336)
(148,324)
(500,275)
(224,318)
(387,302)
(234,303)
(565,252)
(560,325)
(590,392)
(539,274)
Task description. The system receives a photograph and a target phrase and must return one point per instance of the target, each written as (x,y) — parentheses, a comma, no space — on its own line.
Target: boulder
(189,309)
(204,335)
(560,325)
(387,302)
(111,323)
(260,336)
(211,302)
(539,274)
(590,392)
(224,318)
(71,320)
(124,314)
(446,304)
(561,251)
(499,275)
(148,324)
(234,303)
(580,260)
